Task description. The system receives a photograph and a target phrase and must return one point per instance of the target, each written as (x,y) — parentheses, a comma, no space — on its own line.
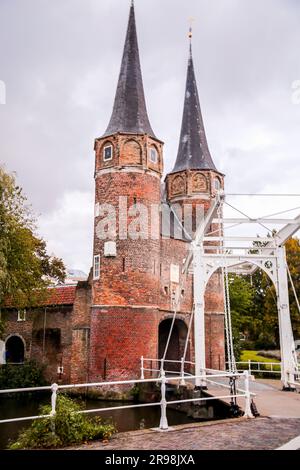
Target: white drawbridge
(240,255)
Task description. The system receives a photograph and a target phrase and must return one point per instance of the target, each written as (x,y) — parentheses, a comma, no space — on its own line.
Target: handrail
(163,380)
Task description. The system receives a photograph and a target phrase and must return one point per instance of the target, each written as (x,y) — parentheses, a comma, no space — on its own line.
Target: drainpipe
(44,334)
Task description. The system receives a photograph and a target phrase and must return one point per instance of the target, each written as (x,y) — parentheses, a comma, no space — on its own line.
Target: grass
(253,356)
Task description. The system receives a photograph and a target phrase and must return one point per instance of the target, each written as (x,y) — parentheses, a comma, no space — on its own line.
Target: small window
(108,153)
(22,315)
(217,184)
(166,290)
(97,267)
(153,155)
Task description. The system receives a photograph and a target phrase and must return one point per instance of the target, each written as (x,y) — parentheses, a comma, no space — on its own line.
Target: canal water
(124,420)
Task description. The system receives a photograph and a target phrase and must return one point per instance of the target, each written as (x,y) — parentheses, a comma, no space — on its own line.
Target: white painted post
(182,382)
(199,319)
(285,327)
(142,368)
(163,404)
(54,389)
(249,365)
(248,412)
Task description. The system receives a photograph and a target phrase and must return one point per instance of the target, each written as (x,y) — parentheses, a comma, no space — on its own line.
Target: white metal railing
(260,367)
(161,362)
(163,403)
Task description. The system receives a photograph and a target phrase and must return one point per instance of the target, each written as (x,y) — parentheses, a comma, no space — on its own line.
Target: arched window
(153,155)
(217,184)
(108,152)
(14,349)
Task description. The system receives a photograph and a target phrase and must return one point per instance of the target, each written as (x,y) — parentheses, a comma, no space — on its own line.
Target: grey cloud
(60,61)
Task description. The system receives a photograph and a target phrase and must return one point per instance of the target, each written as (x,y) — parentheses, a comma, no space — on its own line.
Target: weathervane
(191,21)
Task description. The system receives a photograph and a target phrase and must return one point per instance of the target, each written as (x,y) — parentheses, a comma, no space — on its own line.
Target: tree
(293,260)
(26,270)
(254,302)
(241,305)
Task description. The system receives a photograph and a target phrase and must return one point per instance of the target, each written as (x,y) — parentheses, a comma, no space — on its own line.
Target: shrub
(26,375)
(67,427)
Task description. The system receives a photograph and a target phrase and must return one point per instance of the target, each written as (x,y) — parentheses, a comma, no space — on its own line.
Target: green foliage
(26,270)
(255,357)
(241,302)
(26,375)
(254,303)
(135,392)
(68,427)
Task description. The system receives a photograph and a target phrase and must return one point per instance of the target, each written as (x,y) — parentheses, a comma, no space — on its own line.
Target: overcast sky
(60,62)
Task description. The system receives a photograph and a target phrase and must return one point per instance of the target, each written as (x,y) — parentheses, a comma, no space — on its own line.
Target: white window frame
(96,272)
(21,315)
(112,153)
(153,149)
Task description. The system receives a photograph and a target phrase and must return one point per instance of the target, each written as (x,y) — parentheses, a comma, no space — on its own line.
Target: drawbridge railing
(161,380)
(268,368)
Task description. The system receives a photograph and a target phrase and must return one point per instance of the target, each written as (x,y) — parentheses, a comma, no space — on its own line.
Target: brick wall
(52,349)
(119,337)
(81,333)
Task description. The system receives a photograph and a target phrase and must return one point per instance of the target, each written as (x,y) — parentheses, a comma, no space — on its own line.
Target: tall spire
(130,113)
(193,151)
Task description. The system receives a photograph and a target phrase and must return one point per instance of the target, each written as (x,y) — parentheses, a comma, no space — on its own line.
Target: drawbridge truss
(242,255)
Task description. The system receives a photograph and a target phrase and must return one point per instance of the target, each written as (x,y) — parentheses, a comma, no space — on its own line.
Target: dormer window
(108,153)
(153,155)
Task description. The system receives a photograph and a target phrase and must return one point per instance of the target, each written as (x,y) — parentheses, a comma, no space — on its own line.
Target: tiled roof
(64,295)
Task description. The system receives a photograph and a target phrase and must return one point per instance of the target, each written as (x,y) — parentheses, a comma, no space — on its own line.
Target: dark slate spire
(130,113)
(193,151)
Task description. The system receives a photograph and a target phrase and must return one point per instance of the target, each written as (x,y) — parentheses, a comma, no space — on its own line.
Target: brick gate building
(125,308)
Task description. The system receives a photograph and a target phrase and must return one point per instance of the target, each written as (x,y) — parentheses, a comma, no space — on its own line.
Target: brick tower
(125,286)
(193,183)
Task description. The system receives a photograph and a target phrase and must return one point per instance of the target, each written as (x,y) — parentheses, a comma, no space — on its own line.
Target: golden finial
(191,21)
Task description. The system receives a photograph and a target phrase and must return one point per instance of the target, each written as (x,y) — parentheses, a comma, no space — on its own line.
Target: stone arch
(14,349)
(217,183)
(199,183)
(131,153)
(153,146)
(101,159)
(178,185)
(177,342)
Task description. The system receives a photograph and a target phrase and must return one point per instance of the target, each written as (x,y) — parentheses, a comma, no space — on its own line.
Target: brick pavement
(239,434)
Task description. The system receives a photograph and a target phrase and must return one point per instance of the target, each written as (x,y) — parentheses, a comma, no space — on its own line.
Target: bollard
(182,381)
(142,368)
(54,389)
(249,365)
(248,412)
(163,404)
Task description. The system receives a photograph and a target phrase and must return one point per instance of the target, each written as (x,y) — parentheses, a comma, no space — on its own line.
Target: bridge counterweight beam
(287,345)
(199,318)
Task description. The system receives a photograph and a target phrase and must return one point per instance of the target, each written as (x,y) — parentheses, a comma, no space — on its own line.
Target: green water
(125,420)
